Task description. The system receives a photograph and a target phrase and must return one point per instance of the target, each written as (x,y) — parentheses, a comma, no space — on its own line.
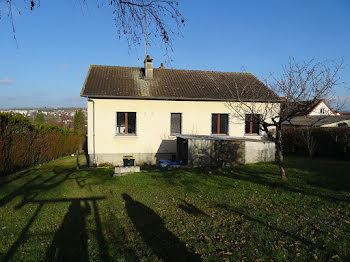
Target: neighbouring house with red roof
(322,108)
(317,114)
(142,111)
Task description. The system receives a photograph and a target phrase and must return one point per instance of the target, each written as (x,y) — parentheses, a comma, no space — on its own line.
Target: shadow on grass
(191,209)
(94,176)
(313,178)
(11,178)
(151,227)
(302,185)
(317,245)
(331,174)
(30,188)
(70,240)
(45,181)
(22,236)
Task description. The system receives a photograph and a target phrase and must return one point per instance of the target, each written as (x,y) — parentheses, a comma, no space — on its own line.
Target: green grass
(54,213)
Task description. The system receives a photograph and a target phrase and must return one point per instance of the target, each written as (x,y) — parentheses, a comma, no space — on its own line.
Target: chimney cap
(148,59)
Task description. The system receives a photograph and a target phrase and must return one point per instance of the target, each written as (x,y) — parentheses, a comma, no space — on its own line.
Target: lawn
(54,213)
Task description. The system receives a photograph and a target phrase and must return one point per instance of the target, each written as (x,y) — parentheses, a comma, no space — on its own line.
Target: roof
(316,120)
(173,84)
(302,108)
(305,108)
(324,101)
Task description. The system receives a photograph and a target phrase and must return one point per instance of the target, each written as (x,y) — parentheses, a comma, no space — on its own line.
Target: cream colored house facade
(119,97)
(153,139)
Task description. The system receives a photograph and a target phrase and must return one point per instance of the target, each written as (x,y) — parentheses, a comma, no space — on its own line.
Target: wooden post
(78,165)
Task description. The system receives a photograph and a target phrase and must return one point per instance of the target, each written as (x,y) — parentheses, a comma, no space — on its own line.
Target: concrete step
(124,170)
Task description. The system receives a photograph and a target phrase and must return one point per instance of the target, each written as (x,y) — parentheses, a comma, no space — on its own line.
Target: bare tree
(309,140)
(300,85)
(158,21)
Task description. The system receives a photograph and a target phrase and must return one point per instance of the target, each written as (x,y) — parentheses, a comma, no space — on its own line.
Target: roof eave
(179,98)
(83,88)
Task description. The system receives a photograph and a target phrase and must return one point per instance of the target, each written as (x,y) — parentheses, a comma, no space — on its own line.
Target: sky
(58,41)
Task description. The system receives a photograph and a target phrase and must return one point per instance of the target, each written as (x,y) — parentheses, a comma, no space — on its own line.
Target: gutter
(93,130)
(184,99)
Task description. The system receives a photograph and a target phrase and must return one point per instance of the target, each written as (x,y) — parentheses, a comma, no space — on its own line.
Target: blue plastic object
(162,162)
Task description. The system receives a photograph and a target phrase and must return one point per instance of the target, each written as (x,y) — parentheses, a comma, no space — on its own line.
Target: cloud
(6,81)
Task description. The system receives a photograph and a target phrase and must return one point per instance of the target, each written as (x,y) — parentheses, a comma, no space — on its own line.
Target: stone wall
(215,152)
(259,151)
(200,152)
(229,152)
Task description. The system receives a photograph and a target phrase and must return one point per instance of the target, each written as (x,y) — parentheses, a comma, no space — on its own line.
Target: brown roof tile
(173,84)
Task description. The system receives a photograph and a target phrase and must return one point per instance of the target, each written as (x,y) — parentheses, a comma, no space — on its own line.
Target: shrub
(328,141)
(24,144)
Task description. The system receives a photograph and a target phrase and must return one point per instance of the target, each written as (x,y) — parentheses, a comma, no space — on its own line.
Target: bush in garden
(24,143)
(328,141)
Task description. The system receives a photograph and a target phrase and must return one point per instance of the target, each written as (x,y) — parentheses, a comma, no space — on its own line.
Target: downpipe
(93,131)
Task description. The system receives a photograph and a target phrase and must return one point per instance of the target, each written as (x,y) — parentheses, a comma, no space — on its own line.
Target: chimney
(148,68)
(161,66)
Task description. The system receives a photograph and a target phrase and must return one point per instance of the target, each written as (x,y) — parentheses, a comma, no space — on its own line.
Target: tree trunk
(279,150)
(280,162)
(278,144)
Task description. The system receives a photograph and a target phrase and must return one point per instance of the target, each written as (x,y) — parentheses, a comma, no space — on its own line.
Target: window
(126,123)
(219,124)
(252,124)
(322,110)
(175,123)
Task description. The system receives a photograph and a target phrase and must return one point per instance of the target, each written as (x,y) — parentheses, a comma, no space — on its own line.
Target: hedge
(328,141)
(24,143)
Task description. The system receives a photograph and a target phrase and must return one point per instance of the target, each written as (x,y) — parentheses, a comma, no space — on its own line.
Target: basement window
(175,123)
(126,123)
(252,124)
(219,124)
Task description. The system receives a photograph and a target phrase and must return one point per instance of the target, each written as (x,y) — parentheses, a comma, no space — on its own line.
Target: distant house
(322,108)
(318,114)
(140,111)
(318,107)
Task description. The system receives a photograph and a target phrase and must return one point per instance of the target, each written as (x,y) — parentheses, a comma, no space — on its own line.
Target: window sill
(219,134)
(253,135)
(118,136)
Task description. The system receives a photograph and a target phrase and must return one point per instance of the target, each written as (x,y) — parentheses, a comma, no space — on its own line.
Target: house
(141,111)
(318,107)
(321,108)
(316,114)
